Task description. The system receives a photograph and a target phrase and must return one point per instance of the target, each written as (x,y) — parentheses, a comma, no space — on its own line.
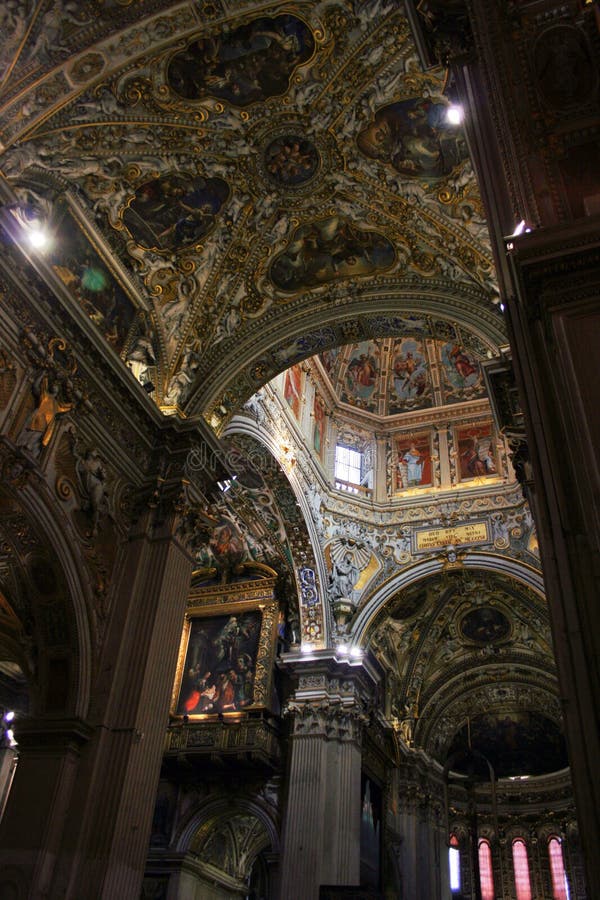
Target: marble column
(321,830)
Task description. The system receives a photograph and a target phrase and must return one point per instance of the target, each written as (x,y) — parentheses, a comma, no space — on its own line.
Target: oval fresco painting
(251,63)
(485,625)
(414,137)
(174,211)
(516,743)
(325,251)
(291,160)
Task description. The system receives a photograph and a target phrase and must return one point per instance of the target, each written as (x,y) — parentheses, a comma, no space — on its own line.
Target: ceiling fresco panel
(246,166)
(249,64)
(175,211)
(324,251)
(414,137)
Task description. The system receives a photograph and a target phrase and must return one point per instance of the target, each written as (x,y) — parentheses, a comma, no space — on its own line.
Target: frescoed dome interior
(416,372)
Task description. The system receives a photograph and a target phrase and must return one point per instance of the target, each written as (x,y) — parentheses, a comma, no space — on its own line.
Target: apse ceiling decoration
(250,171)
(469,659)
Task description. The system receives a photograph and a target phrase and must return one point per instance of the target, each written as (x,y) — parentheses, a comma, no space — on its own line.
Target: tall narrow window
(486,874)
(454,863)
(560,885)
(348,464)
(521,867)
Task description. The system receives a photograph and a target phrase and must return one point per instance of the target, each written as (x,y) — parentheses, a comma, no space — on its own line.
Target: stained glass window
(486,875)
(454,863)
(560,886)
(521,867)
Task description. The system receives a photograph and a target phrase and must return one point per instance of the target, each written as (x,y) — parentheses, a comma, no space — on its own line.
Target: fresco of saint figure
(414,137)
(328,250)
(461,371)
(174,211)
(90,282)
(413,467)
(410,377)
(485,625)
(218,674)
(329,358)
(362,373)
(476,452)
(252,63)
(292,389)
(319,425)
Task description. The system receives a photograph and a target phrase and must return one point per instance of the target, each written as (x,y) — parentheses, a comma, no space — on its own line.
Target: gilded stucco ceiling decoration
(469,649)
(240,175)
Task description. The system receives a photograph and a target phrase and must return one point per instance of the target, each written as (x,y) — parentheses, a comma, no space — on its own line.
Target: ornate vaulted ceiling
(223,179)
(469,662)
(232,188)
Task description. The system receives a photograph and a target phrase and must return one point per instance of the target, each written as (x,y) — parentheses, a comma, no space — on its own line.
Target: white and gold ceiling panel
(246,175)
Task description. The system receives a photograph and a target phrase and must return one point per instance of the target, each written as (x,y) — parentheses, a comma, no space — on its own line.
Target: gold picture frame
(227,650)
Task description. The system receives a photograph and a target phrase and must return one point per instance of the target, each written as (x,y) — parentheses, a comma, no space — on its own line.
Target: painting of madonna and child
(220,663)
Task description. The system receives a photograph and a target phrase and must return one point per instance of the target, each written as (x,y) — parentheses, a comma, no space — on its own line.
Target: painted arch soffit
(245,170)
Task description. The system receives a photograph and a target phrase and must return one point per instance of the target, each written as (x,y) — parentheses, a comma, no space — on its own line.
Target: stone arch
(421,571)
(221,808)
(284,336)
(224,842)
(306,541)
(51,585)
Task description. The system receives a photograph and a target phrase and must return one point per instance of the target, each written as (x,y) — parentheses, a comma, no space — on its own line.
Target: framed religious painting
(476,455)
(412,461)
(226,659)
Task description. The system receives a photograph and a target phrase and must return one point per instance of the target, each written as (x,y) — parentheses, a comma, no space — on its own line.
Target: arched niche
(46,630)
(226,847)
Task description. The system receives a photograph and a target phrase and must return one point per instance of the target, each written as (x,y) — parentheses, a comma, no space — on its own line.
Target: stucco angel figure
(38,432)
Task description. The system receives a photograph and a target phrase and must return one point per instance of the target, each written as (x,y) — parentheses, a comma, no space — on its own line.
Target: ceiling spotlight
(9,716)
(454,115)
(343,649)
(37,237)
(356,652)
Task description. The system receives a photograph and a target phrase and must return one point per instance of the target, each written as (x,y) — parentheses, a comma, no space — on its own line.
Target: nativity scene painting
(220,664)
(249,64)
(328,250)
